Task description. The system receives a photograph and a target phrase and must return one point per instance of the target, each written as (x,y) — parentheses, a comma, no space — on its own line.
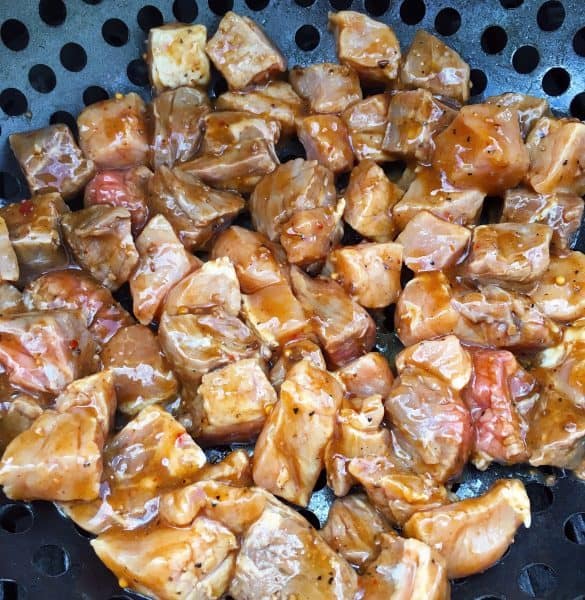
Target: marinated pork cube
(293,353)
(170,562)
(353,529)
(18,411)
(234,403)
(276,101)
(562,212)
(369,199)
(45,351)
(366,122)
(414,117)
(33,227)
(405,568)
(242,53)
(482,148)
(345,330)
(429,191)
(100,238)
(529,108)
(163,262)
(432,65)
(327,87)
(326,140)
(58,458)
(8,261)
(179,120)
(368,272)
(72,289)
(289,454)
(234,470)
(432,244)
(370,47)
(114,133)
(10,299)
(556,148)
(366,376)
(51,160)
(196,211)
(125,189)
(176,56)
(473,534)
(142,375)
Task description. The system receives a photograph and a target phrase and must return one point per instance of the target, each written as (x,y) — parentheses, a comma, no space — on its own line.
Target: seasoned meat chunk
(473,534)
(326,140)
(290,450)
(234,470)
(327,87)
(9,270)
(556,148)
(368,272)
(345,330)
(58,458)
(176,56)
(432,65)
(293,353)
(33,228)
(10,299)
(125,189)
(196,211)
(369,199)
(51,160)
(529,108)
(414,117)
(367,375)
(100,238)
(370,47)
(142,375)
(482,148)
(561,212)
(45,351)
(114,133)
(509,254)
(366,122)
(163,262)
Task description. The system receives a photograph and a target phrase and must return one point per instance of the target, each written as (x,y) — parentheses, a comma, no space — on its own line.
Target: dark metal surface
(522,45)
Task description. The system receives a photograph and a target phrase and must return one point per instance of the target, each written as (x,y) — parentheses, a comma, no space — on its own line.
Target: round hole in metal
(13,102)
(541,496)
(185,11)
(447,21)
(16,518)
(73,57)
(10,590)
(137,72)
(311,517)
(494,39)
(478,81)
(51,560)
(9,186)
(340,4)
(579,42)
(412,11)
(511,3)
(66,118)
(537,579)
(577,107)
(257,4)
(307,37)
(94,93)
(14,34)
(220,7)
(556,81)
(115,32)
(42,78)
(149,17)
(575,528)
(525,59)
(377,8)
(550,15)
(53,12)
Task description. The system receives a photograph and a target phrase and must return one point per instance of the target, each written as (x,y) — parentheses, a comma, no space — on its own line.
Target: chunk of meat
(369,199)
(242,53)
(169,562)
(10,299)
(71,289)
(473,534)
(51,160)
(370,47)
(432,244)
(100,238)
(282,555)
(326,140)
(509,254)
(235,470)
(45,351)
(405,570)
(293,353)
(431,192)
(33,228)
(289,454)
(562,212)
(556,147)
(163,262)
(345,330)
(142,375)
(396,493)
(367,375)
(125,189)
(368,272)
(529,108)
(276,101)
(9,270)
(57,458)
(414,117)
(353,529)
(196,211)
(366,122)
(327,87)
(114,133)
(176,56)
(482,148)
(432,65)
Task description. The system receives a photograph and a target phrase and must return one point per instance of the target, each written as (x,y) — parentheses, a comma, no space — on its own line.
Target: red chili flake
(26,208)
(73,344)
(183,440)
